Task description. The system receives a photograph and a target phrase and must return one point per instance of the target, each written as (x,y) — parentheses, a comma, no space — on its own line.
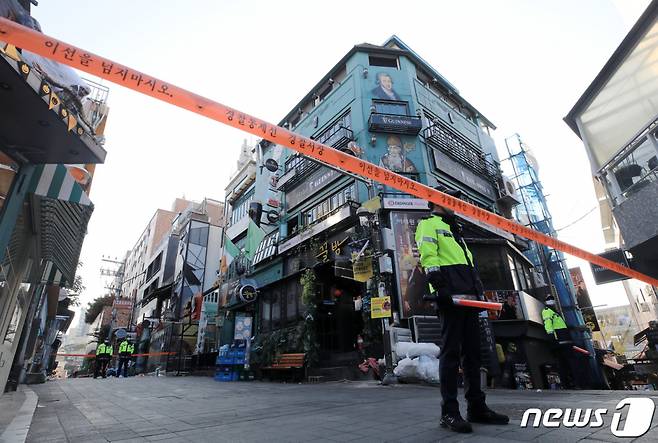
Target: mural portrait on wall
(395,158)
(384,89)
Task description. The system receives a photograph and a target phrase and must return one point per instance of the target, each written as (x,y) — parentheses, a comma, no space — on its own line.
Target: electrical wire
(578,219)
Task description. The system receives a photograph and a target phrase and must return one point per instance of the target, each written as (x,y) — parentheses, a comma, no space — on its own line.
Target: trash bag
(428,368)
(409,349)
(407,368)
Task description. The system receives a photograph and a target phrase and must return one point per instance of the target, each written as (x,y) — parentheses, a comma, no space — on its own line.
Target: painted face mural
(395,158)
(384,89)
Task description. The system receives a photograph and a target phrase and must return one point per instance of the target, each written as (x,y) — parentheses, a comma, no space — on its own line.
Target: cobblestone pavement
(197,409)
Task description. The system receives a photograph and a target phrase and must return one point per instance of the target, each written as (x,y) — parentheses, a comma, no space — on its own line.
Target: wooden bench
(287,362)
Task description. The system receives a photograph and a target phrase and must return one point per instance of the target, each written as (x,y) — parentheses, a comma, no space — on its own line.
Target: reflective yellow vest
(123,347)
(552,320)
(437,245)
(104,349)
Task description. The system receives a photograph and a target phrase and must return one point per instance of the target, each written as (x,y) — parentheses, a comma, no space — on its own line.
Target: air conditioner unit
(508,192)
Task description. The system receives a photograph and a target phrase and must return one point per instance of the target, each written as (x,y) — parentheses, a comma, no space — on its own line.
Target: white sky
(523,64)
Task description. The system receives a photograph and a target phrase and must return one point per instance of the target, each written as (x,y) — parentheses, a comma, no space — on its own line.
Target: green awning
(61,212)
(54,181)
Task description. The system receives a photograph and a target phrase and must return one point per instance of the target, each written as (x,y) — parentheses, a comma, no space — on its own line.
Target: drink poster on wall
(584,302)
(411,280)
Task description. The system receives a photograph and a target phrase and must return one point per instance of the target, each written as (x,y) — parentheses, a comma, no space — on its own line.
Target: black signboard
(320,179)
(248,293)
(401,124)
(603,275)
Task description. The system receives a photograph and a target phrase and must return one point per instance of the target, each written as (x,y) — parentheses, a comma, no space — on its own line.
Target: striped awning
(55,181)
(61,210)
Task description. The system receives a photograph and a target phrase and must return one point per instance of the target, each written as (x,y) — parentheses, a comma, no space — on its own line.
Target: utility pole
(116,271)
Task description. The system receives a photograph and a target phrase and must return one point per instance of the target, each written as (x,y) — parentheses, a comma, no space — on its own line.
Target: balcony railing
(337,139)
(298,167)
(460,149)
(394,123)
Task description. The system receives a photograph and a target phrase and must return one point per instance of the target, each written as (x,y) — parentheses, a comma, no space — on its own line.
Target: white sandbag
(407,368)
(409,349)
(428,369)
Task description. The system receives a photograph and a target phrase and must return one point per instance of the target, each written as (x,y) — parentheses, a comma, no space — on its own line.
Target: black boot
(485,415)
(456,423)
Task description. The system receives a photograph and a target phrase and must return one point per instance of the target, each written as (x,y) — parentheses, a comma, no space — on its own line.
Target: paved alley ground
(197,409)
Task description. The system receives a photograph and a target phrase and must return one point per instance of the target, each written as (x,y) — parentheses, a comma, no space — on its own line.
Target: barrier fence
(86,61)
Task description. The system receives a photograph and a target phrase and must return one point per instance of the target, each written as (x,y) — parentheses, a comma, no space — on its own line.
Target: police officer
(556,327)
(449,267)
(125,353)
(103,356)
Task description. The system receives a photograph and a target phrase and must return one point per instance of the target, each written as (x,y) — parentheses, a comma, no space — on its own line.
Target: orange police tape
(75,57)
(151,354)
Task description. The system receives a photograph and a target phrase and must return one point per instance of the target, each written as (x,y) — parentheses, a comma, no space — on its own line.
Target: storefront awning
(60,214)
(55,181)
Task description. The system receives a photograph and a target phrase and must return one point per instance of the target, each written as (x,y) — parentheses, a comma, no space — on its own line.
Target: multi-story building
(616,118)
(384,104)
(176,258)
(139,261)
(239,195)
(51,127)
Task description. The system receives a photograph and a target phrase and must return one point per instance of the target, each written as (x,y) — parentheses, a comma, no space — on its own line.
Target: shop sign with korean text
(362,268)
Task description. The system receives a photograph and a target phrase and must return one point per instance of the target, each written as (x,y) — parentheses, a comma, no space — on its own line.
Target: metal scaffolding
(549,263)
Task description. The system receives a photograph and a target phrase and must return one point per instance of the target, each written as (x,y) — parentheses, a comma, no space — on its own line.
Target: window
(280,305)
(390,107)
(383,61)
(292,289)
(265,313)
(515,277)
(241,207)
(154,267)
(276,309)
(327,206)
(293,225)
(335,130)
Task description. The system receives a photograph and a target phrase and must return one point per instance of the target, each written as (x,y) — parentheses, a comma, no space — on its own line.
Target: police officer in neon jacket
(448,264)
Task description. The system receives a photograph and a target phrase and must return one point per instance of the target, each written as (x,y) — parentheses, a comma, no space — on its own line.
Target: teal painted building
(384,104)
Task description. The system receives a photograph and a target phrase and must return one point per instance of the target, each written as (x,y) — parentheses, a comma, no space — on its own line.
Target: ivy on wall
(309,328)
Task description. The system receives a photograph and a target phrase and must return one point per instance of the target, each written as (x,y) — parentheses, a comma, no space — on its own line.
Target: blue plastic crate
(225,360)
(224,376)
